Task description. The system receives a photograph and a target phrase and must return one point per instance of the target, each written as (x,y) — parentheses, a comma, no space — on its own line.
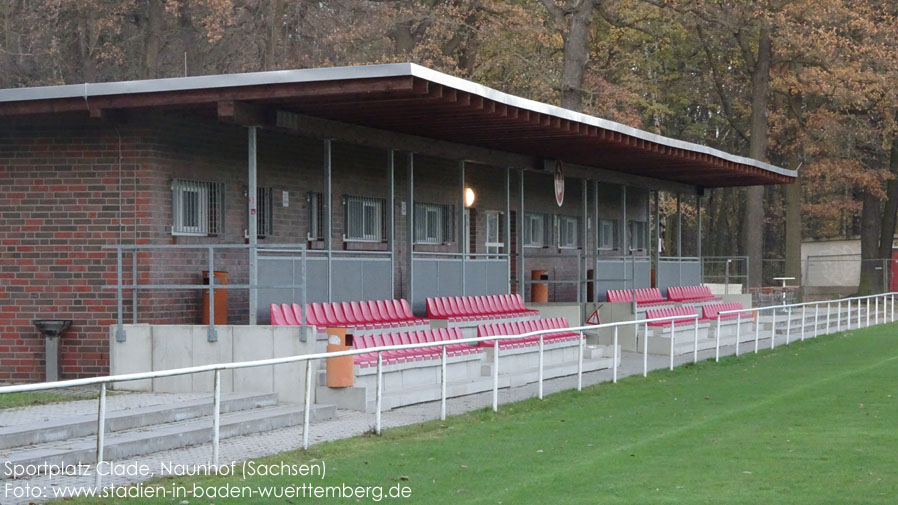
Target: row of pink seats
(285,314)
(644,296)
(477,308)
(712,311)
(373,314)
(671,312)
(410,355)
(367,315)
(521,327)
(691,294)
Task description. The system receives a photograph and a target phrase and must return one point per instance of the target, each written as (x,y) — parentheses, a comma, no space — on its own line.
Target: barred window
(316,216)
(568,232)
(638,236)
(434,223)
(197,207)
(536,230)
(607,234)
(264,213)
(364,219)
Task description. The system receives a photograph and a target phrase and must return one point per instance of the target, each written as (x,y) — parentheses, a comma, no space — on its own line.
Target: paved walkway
(346,424)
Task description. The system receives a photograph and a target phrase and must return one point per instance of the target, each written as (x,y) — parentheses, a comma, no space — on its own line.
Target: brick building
(171,161)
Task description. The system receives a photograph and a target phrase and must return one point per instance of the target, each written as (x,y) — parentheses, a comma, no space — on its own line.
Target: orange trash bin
(340,369)
(539,293)
(221,298)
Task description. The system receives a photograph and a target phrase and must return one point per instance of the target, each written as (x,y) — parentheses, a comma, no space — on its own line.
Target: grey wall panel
(675,273)
(443,277)
(497,277)
(618,273)
(476,281)
(424,284)
(359,279)
(449,278)
(273,272)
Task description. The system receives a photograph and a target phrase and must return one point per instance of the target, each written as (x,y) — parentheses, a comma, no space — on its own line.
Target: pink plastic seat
(288,315)
(277,315)
(297,313)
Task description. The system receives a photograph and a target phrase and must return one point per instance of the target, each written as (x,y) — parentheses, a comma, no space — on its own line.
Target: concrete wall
(831,263)
(165,347)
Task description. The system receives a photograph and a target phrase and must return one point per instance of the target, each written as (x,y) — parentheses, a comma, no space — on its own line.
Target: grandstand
(237,217)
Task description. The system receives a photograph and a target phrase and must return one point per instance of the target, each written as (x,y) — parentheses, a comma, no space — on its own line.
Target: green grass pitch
(813,422)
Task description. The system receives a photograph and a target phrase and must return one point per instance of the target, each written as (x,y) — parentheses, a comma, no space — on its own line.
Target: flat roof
(409,98)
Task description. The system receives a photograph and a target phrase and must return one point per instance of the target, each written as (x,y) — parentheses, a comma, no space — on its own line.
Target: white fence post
(645,347)
(216,418)
(496,375)
(757,329)
(695,341)
(773,328)
(868,313)
(541,366)
(580,363)
(717,341)
(788,324)
(614,352)
(101,433)
(738,330)
(839,316)
(673,337)
(379,392)
(307,406)
(803,313)
(443,386)
(816,316)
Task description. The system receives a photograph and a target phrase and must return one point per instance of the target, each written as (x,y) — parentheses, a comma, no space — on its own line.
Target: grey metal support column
(391,219)
(251,227)
(522,287)
(507,248)
(582,289)
(462,226)
(411,227)
(679,242)
(698,238)
(595,249)
(624,233)
(329,213)
(656,247)
(679,228)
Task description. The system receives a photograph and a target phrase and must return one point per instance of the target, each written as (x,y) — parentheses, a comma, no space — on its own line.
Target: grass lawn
(10,400)
(814,422)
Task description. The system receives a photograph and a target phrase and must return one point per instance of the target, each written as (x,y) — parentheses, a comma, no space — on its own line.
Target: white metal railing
(495,339)
(888,315)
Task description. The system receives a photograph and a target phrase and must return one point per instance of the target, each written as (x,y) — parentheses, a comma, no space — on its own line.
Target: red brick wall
(64,193)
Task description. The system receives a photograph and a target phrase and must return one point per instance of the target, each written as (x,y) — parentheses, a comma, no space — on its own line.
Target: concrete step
(149,439)
(125,419)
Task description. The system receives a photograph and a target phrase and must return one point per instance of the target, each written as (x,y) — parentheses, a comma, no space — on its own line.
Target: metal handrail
(888,301)
(135,287)
(459,254)
(495,339)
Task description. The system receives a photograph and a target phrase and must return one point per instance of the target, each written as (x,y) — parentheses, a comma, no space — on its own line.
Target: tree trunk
(576,54)
(753,235)
(870,277)
(153,40)
(890,213)
(792,197)
(275,17)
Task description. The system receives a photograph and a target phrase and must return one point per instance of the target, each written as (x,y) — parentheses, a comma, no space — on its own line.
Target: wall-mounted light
(469,197)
